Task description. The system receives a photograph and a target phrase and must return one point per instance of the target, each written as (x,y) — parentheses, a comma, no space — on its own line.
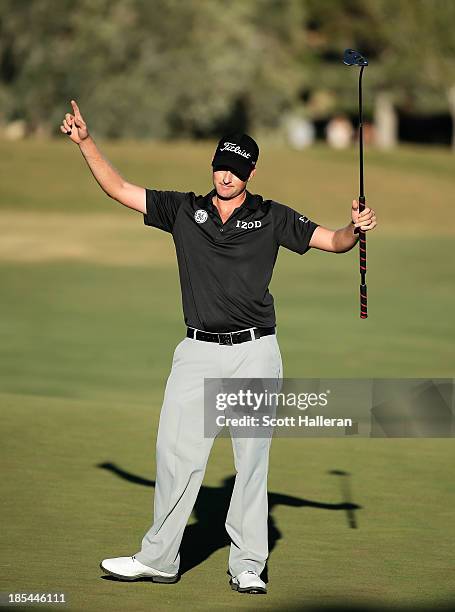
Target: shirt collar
(251,201)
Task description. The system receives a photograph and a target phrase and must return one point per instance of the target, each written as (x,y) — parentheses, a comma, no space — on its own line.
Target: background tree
(420,54)
(167,68)
(149,69)
(409,42)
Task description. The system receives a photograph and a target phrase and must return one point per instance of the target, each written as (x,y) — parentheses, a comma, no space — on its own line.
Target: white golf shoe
(248,582)
(129,568)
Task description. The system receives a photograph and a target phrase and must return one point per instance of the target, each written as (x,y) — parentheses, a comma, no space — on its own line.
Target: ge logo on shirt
(200,216)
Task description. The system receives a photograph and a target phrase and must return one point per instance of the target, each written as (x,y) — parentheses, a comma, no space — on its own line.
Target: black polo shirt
(225,269)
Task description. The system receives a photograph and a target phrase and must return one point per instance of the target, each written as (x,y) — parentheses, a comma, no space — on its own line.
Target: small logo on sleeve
(200,216)
(303,219)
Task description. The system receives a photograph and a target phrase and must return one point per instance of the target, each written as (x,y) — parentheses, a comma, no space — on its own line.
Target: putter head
(352,57)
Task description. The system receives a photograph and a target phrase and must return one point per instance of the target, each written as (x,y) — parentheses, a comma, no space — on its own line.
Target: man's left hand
(366,220)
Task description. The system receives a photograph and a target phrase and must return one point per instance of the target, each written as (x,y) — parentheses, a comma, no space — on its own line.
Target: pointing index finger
(76,108)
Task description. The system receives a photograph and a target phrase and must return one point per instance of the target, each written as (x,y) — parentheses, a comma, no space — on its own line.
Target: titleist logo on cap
(231,146)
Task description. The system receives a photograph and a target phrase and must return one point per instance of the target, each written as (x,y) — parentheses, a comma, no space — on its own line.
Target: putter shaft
(362,236)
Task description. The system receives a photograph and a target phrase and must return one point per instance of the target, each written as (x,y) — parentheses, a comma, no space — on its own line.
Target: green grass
(62,513)
(89,317)
(410,189)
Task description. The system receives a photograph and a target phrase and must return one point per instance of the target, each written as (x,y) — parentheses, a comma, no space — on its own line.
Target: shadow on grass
(207,534)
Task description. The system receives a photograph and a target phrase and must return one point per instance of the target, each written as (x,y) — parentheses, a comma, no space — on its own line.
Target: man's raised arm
(107,177)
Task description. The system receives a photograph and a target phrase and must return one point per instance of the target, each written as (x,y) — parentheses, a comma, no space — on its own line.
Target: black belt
(229,338)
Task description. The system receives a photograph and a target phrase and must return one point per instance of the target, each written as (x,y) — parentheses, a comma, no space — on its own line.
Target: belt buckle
(225,339)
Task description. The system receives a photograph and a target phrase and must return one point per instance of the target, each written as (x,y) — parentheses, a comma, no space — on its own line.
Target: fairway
(90,316)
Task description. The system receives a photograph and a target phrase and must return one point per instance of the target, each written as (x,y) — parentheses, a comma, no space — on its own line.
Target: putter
(354,58)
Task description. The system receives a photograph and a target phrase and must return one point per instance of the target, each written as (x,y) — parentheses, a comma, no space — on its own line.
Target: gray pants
(182,452)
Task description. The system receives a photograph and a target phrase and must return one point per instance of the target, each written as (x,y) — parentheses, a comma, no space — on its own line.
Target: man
(226,244)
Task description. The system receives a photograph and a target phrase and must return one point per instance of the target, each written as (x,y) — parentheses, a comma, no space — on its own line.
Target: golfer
(226,243)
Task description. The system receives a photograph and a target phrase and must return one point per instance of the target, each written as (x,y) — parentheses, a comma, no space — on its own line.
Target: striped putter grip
(363,266)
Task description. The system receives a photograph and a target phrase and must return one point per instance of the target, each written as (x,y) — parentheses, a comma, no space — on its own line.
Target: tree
(421,52)
(160,68)
(410,46)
